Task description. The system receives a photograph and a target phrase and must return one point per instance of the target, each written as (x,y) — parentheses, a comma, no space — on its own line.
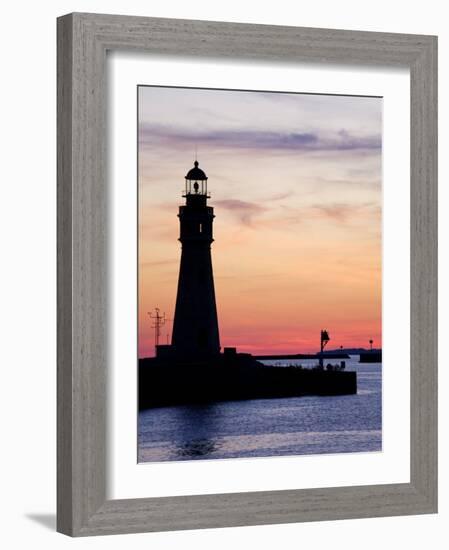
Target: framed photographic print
(229,375)
(246,274)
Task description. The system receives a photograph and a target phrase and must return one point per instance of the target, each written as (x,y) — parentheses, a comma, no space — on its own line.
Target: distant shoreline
(336,355)
(330,354)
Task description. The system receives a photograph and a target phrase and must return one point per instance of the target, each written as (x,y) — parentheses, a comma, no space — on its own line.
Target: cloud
(280,196)
(341,212)
(245,211)
(151,134)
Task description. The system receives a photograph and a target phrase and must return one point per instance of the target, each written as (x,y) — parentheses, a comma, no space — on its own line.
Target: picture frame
(83,41)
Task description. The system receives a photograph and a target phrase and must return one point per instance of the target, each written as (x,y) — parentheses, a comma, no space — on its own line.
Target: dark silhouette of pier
(163,383)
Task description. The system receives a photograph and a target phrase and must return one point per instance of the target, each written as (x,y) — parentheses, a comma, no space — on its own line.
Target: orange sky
(296,186)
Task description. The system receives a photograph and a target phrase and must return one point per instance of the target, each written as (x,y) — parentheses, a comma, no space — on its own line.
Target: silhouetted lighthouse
(195,327)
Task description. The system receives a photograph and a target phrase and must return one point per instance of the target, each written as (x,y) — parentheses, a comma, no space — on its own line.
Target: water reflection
(196,431)
(196,448)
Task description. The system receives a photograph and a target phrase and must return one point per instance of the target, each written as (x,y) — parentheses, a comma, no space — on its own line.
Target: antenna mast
(158,322)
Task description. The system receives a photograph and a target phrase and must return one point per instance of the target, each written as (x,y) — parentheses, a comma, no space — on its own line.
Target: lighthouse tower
(195,327)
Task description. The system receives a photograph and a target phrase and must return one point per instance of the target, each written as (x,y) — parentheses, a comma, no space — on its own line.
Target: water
(269,427)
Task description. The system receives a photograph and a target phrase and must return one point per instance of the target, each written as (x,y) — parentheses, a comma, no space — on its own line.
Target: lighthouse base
(232,377)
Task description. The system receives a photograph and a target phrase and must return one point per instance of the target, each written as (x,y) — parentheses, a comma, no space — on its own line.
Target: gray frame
(83,40)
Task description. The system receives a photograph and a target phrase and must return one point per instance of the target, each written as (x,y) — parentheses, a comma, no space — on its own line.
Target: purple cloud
(258,139)
(343,212)
(245,211)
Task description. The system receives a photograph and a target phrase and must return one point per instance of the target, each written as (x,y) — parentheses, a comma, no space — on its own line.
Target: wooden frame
(83,40)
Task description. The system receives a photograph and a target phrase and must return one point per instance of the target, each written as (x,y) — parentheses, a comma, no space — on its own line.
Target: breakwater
(240,377)
(374,356)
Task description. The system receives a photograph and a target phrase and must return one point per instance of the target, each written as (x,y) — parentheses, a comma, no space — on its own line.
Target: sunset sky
(295,181)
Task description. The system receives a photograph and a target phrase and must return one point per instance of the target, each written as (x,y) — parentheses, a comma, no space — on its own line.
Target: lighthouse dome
(196,173)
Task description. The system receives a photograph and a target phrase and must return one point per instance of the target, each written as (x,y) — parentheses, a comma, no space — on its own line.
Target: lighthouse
(195,326)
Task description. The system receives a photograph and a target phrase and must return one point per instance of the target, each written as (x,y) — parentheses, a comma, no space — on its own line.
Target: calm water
(269,427)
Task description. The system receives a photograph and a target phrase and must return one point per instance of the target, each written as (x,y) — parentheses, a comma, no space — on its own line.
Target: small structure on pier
(324,340)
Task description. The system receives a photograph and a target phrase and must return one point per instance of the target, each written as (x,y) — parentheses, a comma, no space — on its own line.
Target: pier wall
(176,384)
